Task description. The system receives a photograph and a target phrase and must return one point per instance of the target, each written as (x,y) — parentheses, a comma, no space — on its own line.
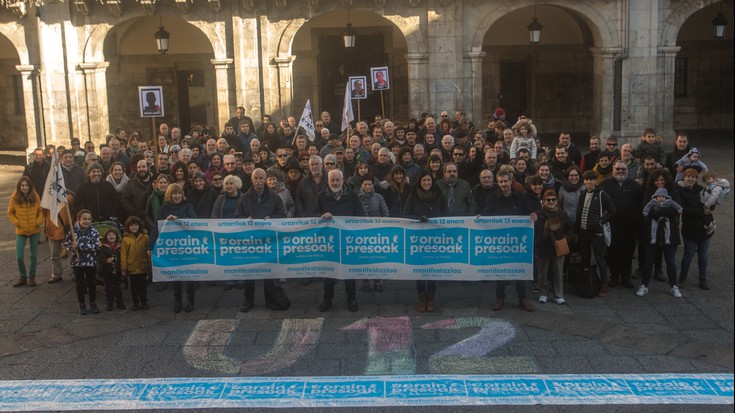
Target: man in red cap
(499,113)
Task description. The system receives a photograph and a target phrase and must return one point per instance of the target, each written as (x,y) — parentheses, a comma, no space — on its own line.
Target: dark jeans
(249,293)
(329,284)
(701,248)
(424,287)
(594,244)
(112,288)
(138,288)
(86,279)
(190,289)
(520,288)
(621,250)
(669,252)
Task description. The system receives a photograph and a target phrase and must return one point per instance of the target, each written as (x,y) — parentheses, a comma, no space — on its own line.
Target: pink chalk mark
(360,324)
(449,323)
(389,333)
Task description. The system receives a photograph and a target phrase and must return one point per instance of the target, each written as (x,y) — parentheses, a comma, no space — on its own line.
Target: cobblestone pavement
(43,337)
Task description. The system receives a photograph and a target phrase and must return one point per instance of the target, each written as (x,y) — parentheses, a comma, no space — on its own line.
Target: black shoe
(352,304)
(93,308)
(177,307)
(326,305)
(246,306)
(145,306)
(703,285)
(110,307)
(189,307)
(627,283)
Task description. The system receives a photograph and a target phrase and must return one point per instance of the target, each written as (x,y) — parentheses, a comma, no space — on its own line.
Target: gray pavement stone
(619,364)
(663,364)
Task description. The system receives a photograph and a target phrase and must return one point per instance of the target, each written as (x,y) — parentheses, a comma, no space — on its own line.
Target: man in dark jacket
(309,187)
(37,171)
(627,195)
(259,203)
(681,148)
(337,200)
(96,195)
(135,195)
(509,202)
(74,174)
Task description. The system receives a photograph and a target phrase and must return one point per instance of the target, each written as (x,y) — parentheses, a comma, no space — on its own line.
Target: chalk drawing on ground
(390,345)
(206,346)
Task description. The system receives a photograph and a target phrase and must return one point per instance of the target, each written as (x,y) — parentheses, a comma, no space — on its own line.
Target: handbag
(561,247)
(606,229)
(586,281)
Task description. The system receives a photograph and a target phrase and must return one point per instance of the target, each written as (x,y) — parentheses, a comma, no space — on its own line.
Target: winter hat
(661,191)
(499,113)
(693,151)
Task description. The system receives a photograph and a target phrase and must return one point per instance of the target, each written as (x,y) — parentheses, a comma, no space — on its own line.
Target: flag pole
(382,105)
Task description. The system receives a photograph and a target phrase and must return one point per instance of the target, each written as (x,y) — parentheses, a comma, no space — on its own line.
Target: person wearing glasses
(611,149)
(230,165)
(627,194)
(552,225)
(282,159)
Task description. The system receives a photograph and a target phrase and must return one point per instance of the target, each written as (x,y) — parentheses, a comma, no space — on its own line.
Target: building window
(18,95)
(681,74)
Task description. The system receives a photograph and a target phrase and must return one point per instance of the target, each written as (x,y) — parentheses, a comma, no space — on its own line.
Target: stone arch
(603,33)
(17,39)
(92,47)
(683,10)
(415,42)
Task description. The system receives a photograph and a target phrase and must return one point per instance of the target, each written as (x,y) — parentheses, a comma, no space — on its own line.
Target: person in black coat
(259,203)
(175,207)
(337,200)
(693,223)
(97,195)
(201,195)
(425,201)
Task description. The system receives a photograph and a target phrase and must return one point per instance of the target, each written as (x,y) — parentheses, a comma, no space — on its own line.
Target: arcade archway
(13,134)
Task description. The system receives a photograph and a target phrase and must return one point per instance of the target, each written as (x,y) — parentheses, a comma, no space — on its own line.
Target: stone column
(222,88)
(665,95)
(603,90)
(474,111)
(284,65)
(418,83)
(33,107)
(94,118)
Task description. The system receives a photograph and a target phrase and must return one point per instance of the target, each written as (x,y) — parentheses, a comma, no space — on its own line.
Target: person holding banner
(509,202)
(337,200)
(26,215)
(259,202)
(175,207)
(425,201)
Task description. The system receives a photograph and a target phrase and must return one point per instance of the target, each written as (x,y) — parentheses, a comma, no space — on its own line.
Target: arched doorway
(553,80)
(185,73)
(322,64)
(13,134)
(703,81)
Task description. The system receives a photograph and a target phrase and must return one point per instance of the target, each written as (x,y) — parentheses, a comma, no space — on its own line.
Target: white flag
(307,121)
(347,115)
(54,191)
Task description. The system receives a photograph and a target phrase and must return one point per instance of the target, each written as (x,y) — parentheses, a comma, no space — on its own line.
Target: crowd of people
(418,169)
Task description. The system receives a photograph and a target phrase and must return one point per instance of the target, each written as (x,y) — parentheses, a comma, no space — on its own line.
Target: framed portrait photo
(379,78)
(151,101)
(357,87)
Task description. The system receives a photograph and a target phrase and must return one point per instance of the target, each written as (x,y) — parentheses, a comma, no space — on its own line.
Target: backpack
(586,281)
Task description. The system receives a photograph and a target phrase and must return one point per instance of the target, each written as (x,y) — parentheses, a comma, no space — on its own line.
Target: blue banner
(456,248)
(372,391)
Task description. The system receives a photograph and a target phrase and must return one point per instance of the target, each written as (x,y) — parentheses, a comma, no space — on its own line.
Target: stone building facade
(607,67)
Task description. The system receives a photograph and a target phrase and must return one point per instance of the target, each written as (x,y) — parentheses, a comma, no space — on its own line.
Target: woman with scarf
(571,187)
(227,206)
(361,171)
(117,177)
(156,200)
(373,205)
(215,166)
(552,225)
(544,171)
(397,192)
(425,201)
(201,195)
(604,167)
(176,207)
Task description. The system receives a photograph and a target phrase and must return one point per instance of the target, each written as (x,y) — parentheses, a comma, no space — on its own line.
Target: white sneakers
(542,299)
(643,290)
(675,292)
(560,300)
